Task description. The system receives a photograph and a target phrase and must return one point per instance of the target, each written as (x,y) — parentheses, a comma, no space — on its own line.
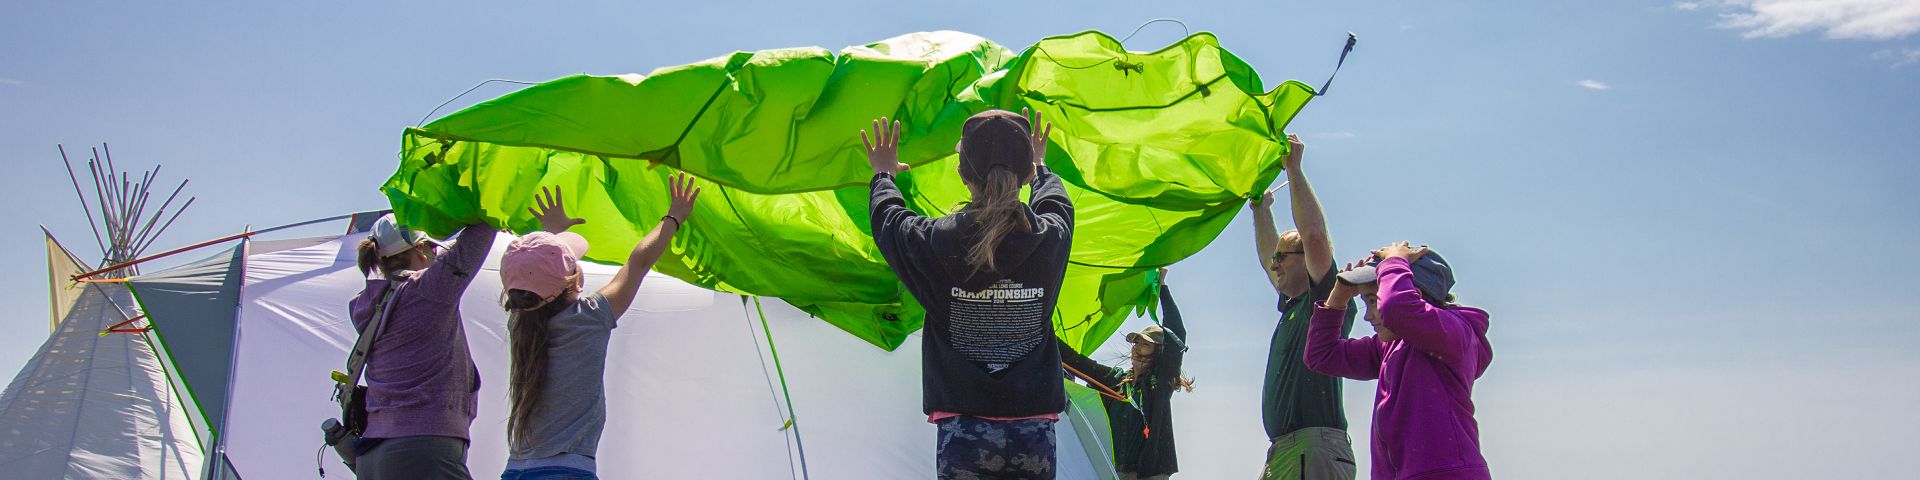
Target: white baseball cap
(394,239)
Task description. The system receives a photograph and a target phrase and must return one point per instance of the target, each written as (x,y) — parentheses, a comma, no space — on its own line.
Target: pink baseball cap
(541,262)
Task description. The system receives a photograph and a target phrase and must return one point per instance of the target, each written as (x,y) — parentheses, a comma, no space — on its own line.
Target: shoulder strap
(357,359)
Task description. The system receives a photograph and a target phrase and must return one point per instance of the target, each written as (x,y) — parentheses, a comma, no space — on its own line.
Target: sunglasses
(1281,256)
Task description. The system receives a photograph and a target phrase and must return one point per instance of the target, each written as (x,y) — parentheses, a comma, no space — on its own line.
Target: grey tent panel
(194,309)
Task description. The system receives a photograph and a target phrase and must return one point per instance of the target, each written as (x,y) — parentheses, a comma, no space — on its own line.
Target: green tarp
(1158,151)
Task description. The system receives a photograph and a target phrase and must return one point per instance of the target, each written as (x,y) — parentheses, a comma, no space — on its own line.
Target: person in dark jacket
(988,276)
(1142,424)
(421,382)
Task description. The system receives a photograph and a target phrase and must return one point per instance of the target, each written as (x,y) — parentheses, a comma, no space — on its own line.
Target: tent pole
(233,364)
(129,263)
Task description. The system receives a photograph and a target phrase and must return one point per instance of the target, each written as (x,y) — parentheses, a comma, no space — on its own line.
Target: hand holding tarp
(1295,151)
(683,192)
(551,209)
(1037,133)
(883,150)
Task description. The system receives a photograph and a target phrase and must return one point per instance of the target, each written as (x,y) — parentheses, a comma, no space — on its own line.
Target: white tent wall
(691,386)
(95,406)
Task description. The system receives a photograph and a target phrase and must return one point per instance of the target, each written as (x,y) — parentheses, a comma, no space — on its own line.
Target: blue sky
(1689,219)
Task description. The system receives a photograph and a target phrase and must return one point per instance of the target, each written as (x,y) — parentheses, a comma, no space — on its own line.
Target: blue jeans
(548,473)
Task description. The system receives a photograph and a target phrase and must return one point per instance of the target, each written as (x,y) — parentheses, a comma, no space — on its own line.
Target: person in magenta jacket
(1426,353)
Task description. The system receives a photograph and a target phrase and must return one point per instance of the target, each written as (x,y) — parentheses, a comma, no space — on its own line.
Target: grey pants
(415,458)
(1312,454)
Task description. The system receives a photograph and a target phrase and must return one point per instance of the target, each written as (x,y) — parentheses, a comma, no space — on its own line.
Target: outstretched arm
(1106,375)
(1307,215)
(1329,354)
(1328,351)
(1170,313)
(453,270)
(1266,237)
(897,230)
(1049,198)
(619,291)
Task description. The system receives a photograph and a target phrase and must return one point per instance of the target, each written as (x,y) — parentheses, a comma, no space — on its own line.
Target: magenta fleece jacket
(1423,426)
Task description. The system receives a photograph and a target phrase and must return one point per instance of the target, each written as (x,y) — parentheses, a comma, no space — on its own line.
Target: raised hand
(1037,133)
(883,149)
(683,192)
(1263,202)
(1401,250)
(1344,292)
(551,210)
(1295,149)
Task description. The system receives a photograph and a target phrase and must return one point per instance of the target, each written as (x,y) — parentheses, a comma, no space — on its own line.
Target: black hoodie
(987,349)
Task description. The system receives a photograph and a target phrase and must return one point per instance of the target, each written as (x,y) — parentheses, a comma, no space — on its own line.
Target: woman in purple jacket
(420,379)
(1426,352)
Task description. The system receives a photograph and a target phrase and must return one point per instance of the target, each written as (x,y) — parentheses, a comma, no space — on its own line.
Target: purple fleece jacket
(1423,426)
(420,378)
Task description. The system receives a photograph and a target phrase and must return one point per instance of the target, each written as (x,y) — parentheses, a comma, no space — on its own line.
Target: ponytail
(369,253)
(527,318)
(997,212)
(370,259)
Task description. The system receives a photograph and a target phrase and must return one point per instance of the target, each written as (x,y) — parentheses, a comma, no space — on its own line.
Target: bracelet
(676,221)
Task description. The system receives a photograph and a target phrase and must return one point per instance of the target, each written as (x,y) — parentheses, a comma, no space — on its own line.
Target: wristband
(676,221)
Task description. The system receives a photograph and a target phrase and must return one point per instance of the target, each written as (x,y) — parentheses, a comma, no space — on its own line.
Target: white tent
(90,404)
(694,386)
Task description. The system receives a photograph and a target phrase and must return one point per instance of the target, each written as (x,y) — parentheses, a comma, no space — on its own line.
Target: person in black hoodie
(988,276)
(1143,423)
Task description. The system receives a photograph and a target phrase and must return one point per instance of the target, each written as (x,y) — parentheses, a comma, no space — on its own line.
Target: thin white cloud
(1839,19)
(9,81)
(1340,135)
(1899,56)
(1687,6)
(1593,85)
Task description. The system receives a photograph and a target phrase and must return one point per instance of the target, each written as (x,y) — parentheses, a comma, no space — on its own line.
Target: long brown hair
(527,318)
(1145,362)
(370,258)
(996,212)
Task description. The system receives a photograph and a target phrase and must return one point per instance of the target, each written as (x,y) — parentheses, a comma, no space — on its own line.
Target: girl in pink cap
(559,336)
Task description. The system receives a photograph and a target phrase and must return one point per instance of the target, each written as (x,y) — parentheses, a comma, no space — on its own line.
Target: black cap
(995,139)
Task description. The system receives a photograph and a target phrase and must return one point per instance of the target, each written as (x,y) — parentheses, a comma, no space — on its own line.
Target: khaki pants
(1310,454)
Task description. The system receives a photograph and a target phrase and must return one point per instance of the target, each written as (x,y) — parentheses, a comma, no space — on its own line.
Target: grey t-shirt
(573,401)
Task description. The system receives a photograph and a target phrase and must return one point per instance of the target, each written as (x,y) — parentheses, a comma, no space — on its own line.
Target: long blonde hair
(997,212)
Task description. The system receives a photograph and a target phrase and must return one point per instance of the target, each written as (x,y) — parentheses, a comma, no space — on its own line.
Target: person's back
(988,277)
(421,381)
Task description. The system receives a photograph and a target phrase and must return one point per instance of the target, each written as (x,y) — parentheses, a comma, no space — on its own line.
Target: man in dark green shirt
(1301,409)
